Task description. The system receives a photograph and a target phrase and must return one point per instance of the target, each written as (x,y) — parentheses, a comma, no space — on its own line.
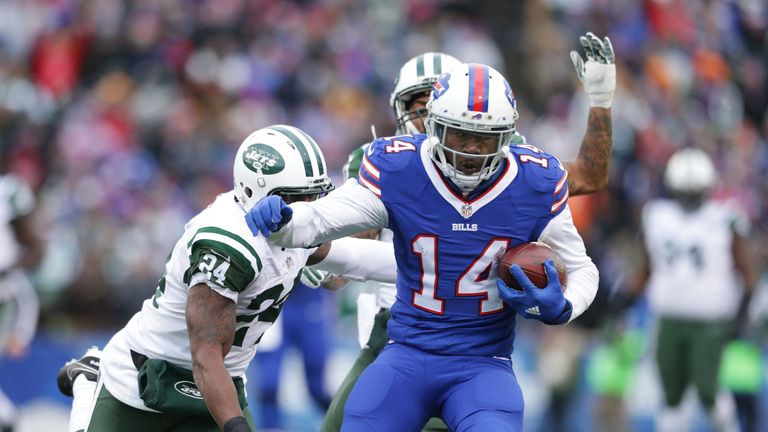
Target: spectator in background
(20,250)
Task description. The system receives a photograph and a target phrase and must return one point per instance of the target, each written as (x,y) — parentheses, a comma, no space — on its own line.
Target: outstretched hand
(313,278)
(547,304)
(598,73)
(268,215)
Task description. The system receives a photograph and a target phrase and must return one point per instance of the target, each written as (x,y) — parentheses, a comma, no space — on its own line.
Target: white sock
(673,420)
(7,411)
(723,414)
(83,392)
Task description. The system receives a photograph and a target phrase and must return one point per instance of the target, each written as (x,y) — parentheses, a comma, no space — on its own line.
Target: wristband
(237,424)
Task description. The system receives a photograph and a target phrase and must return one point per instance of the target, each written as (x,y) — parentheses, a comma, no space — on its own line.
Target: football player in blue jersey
(456,199)
(413,84)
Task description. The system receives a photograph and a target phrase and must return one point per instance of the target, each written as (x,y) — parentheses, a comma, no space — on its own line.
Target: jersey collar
(467,207)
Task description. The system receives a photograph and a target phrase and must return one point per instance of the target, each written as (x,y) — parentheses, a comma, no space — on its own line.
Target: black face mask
(292,198)
(690,201)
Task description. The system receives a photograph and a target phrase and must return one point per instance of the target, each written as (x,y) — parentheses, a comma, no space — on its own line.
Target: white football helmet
(473,98)
(279,160)
(415,77)
(690,170)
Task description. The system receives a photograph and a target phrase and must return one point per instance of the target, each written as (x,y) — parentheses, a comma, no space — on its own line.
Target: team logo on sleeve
(440,86)
(510,95)
(263,158)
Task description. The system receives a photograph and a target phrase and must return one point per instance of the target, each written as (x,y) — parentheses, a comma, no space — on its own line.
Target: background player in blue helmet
(455,199)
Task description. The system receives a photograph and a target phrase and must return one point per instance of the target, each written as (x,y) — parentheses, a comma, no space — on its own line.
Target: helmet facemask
(404,115)
(415,79)
(467,170)
(309,193)
(472,115)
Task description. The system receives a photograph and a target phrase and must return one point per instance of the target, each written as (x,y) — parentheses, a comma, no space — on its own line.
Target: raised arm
(588,173)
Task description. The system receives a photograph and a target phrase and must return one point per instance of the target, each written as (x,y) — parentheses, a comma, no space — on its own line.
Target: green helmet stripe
(313,144)
(437,64)
(299,146)
(420,66)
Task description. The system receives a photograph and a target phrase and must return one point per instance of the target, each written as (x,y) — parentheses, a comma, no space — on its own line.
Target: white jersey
(19,306)
(217,249)
(16,200)
(693,274)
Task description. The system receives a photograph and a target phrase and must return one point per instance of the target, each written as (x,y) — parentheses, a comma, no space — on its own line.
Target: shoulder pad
(543,173)
(226,258)
(19,194)
(394,151)
(385,155)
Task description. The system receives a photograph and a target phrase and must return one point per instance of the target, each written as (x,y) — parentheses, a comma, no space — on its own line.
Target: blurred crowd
(125,115)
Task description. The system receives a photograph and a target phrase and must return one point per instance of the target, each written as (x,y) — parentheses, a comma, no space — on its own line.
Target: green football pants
(111,415)
(376,343)
(689,352)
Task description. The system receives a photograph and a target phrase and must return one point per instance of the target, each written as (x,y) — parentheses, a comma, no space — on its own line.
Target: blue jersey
(447,247)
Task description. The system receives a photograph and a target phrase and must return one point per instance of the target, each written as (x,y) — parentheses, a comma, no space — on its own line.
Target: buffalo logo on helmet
(263,158)
(440,86)
(510,95)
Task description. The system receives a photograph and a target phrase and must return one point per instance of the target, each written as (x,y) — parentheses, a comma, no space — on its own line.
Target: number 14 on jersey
(476,281)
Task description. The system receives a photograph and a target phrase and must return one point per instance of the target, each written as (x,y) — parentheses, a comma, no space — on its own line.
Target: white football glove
(313,278)
(598,73)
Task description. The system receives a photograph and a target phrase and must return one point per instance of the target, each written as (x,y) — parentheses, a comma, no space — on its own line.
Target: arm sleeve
(28,308)
(22,199)
(360,260)
(222,260)
(348,210)
(583,276)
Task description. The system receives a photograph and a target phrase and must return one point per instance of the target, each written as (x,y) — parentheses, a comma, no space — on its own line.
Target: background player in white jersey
(587,174)
(179,364)
(452,324)
(20,250)
(698,278)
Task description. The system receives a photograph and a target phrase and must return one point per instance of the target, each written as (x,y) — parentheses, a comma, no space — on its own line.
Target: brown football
(530,257)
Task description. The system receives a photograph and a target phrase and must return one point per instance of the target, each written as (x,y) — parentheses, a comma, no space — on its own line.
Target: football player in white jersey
(586,174)
(179,364)
(698,278)
(20,250)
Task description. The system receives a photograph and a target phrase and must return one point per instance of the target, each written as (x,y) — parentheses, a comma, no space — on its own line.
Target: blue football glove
(268,215)
(547,304)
